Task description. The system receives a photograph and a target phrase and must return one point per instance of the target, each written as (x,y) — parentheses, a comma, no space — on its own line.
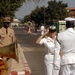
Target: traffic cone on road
(29,30)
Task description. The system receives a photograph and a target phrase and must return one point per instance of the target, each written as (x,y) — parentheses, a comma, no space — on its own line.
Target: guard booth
(60,25)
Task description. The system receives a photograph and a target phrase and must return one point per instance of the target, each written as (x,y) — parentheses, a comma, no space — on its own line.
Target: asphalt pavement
(33,53)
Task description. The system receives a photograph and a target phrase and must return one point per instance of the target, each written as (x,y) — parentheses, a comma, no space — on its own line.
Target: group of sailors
(60,49)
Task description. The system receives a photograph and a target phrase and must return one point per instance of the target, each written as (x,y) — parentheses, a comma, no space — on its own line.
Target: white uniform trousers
(68,69)
(49,69)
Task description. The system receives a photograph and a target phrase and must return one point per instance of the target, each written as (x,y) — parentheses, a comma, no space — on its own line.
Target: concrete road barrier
(22,67)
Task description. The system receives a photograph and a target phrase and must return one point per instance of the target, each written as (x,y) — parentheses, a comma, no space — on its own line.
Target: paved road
(34,53)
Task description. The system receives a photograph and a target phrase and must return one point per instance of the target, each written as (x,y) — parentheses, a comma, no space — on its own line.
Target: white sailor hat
(69,19)
(52,28)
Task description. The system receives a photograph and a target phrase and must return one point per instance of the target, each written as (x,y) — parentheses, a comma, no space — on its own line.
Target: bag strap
(57,39)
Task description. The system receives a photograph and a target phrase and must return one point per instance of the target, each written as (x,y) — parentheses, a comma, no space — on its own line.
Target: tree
(37,15)
(8,7)
(26,19)
(56,10)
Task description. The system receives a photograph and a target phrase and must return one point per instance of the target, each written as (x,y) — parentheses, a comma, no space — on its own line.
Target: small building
(71,11)
(15,22)
(60,25)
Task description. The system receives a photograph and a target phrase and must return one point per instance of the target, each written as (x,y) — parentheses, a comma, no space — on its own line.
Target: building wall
(14,24)
(71,12)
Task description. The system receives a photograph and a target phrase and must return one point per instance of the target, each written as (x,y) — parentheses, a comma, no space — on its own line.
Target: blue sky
(28,7)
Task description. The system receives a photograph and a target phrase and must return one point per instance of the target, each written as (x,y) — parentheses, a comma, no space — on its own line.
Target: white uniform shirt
(67,40)
(49,48)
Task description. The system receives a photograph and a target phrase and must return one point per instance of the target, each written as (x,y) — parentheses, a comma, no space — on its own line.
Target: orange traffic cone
(29,30)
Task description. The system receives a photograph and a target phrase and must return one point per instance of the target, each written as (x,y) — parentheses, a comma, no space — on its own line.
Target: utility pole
(44,12)
(44,15)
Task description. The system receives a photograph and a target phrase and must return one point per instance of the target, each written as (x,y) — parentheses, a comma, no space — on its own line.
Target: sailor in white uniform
(49,48)
(67,45)
(42,28)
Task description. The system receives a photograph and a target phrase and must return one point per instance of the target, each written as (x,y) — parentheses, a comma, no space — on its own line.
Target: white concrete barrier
(22,67)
